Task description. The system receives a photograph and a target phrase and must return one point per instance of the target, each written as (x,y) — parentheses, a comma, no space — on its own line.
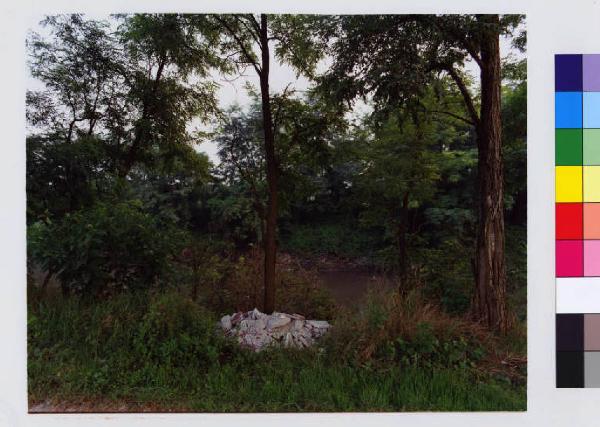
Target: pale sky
(233,91)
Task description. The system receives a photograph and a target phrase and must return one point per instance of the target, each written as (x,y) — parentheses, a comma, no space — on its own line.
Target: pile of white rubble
(256,330)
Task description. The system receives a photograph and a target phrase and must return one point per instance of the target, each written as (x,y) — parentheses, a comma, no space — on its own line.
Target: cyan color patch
(591,109)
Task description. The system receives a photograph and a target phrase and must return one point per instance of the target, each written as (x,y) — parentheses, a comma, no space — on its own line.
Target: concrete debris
(256,330)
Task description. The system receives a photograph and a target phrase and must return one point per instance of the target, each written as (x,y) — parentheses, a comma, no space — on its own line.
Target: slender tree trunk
(47,278)
(402,230)
(141,133)
(490,295)
(270,238)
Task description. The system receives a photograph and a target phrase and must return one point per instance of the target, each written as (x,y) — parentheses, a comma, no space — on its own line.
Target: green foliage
(339,239)
(147,336)
(448,274)
(241,288)
(406,330)
(177,332)
(135,89)
(164,352)
(120,201)
(106,246)
(427,350)
(516,260)
(64,177)
(230,213)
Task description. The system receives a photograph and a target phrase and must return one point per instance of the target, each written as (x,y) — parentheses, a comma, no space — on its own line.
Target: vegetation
(174,359)
(138,242)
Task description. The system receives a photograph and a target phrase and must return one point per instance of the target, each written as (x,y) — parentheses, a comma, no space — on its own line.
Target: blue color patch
(568,109)
(568,73)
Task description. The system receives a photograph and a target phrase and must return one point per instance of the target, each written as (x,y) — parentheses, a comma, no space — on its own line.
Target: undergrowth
(162,350)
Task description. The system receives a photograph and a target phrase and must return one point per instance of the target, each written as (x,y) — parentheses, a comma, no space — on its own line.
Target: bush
(516,269)
(144,351)
(448,274)
(108,245)
(134,340)
(242,288)
(339,239)
(176,331)
(405,330)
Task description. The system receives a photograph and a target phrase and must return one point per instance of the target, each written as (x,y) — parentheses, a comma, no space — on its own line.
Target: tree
(392,58)
(242,156)
(247,42)
(479,38)
(169,64)
(400,176)
(134,86)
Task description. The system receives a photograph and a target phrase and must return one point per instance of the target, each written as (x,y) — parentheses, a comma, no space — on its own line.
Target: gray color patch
(591,371)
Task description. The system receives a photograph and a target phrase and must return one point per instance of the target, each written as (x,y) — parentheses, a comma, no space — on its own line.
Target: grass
(162,352)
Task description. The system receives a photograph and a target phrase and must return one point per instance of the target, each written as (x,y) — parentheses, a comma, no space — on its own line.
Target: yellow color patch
(568,184)
(591,184)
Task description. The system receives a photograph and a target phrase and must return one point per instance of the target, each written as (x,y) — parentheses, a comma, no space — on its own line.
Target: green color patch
(591,146)
(568,147)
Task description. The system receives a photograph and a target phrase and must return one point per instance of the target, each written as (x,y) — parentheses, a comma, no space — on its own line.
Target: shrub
(200,267)
(148,351)
(176,331)
(108,245)
(298,289)
(448,274)
(404,329)
(339,239)
(516,269)
(140,340)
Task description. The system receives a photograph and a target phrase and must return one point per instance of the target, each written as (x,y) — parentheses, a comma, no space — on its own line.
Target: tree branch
(462,87)
(285,93)
(241,44)
(254,32)
(448,113)
(460,38)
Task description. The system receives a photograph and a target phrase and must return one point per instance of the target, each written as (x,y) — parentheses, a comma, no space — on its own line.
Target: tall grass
(160,352)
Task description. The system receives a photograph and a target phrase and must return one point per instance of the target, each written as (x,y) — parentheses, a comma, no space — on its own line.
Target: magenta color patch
(591,258)
(569,258)
(591,73)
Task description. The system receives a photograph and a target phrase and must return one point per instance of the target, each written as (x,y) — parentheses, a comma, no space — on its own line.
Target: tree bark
(141,133)
(401,240)
(270,238)
(489,304)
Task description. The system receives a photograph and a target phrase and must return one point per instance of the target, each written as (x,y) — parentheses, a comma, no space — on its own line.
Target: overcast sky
(234,92)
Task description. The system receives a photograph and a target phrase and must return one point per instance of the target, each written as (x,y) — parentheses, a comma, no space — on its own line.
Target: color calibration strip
(577,150)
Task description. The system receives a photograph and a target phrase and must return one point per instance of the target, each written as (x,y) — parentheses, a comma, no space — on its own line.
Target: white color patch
(578,295)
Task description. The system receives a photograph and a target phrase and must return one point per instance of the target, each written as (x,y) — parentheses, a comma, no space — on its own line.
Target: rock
(277,322)
(297,325)
(288,340)
(245,325)
(236,318)
(255,314)
(226,323)
(318,324)
(256,331)
(260,324)
(304,341)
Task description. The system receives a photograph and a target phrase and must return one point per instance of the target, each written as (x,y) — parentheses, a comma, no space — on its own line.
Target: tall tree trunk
(490,295)
(141,133)
(270,238)
(401,240)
